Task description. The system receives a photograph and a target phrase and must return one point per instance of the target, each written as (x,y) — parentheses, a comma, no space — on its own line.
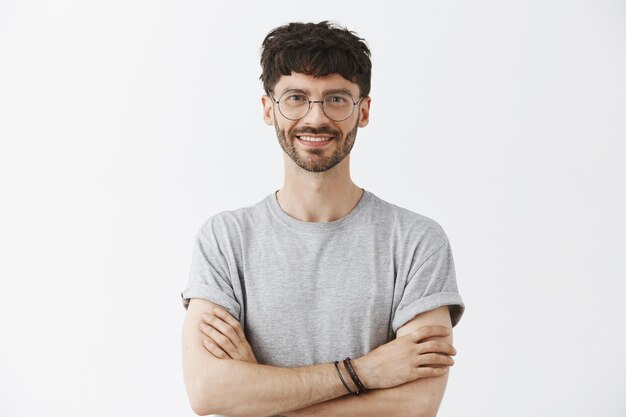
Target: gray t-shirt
(315,292)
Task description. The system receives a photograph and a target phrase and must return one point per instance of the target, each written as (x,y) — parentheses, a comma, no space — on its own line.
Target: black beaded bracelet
(360,387)
(341,377)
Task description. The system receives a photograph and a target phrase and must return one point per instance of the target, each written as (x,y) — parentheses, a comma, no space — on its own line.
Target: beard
(314,159)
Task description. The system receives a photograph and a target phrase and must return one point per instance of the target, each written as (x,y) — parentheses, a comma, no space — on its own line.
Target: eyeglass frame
(354,103)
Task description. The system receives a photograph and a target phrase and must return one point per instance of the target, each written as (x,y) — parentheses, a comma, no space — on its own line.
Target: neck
(319,196)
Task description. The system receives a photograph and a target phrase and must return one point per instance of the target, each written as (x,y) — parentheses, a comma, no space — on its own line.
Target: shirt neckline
(287,220)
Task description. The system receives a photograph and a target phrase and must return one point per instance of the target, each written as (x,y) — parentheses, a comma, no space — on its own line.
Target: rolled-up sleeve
(209,278)
(431,285)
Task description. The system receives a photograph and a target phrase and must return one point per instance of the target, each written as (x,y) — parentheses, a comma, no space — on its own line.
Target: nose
(316,115)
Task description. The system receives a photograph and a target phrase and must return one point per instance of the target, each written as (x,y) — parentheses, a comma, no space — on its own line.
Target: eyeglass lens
(294,105)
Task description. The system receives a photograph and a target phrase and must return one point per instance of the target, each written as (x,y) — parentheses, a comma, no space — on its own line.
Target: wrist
(344,376)
(363,371)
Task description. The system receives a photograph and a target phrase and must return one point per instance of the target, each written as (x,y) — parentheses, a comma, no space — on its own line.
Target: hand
(226,339)
(406,358)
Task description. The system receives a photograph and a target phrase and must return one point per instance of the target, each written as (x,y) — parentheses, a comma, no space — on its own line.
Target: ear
(364,111)
(268,110)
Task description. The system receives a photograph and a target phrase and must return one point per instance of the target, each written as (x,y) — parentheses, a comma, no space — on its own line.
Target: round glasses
(295,104)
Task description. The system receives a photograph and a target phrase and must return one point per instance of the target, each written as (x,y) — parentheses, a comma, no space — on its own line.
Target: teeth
(312,139)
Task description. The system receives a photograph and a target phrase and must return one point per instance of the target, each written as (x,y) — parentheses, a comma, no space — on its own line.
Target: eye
(337,99)
(295,98)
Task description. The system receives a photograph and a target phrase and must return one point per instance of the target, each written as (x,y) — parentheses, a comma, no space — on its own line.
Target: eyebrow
(324,93)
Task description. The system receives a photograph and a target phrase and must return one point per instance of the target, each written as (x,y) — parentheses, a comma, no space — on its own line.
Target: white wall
(125,124)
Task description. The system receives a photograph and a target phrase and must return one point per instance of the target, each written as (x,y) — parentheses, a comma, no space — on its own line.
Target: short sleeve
(209,277)
(431,285)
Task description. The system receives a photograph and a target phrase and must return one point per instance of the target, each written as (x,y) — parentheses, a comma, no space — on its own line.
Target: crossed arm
(216,384)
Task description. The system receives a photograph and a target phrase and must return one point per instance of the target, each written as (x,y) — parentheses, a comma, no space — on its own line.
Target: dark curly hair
(316,49)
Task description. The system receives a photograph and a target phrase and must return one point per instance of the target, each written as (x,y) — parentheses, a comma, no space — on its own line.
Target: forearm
(397,401)
(237,388)
(218,386)
(418,398)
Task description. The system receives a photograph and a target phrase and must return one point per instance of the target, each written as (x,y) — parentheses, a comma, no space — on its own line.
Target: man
(283,292)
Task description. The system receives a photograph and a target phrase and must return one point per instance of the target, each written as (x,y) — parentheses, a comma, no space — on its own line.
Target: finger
(428,372)
(219,339)
(430,331)
(436,346)
(204,328)
(223,327)
(215,350)
(233,322)
(433,359)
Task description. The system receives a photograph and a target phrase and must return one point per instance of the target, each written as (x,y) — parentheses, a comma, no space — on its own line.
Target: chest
(311,296)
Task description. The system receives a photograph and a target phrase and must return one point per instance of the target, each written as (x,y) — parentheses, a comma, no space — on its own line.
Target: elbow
(200,399)
(206,397)
(202,407)
(199,409)
(202,410)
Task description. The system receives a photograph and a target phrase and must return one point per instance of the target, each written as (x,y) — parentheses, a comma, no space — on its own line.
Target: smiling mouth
(315,139)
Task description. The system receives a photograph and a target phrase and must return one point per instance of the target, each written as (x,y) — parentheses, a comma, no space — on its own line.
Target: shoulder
(409,224)
(230,223)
